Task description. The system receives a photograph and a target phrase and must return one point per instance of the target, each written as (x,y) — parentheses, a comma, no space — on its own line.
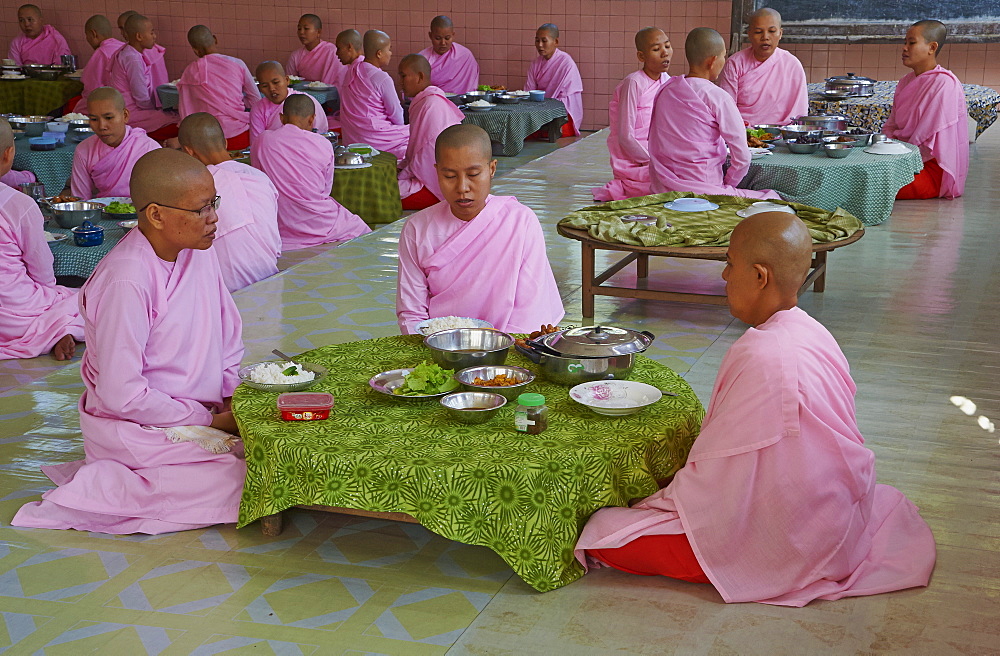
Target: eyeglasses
(202,212)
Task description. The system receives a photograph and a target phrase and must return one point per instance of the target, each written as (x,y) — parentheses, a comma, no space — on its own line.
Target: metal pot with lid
(580,355)
(854,85)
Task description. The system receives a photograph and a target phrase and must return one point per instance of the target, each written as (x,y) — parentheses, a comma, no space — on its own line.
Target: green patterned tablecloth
(372,193)
(51,167)
(863,184)
(711,228)
(870,112)
(80,261)
(526,497)
(510,125)
(36,97)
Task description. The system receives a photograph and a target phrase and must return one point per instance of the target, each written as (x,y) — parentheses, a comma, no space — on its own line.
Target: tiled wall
(597,33)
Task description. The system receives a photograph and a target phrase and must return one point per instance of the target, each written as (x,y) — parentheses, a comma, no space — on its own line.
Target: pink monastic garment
(246,240)
(693,121)
(778,497)
(13,178)
(559,77)
(35,312)
(629,112)
(320,64)
(930,110)
(430,113)
(370,111)
(265,115)
(456,71)
(163,349)
(221,86)
(132,76)
(771,92)
(97,72)
(156,58)
(100,171)
(441,270)
(47,48)
(300,164)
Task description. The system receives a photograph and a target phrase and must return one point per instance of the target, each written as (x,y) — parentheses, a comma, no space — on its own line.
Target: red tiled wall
(597,33)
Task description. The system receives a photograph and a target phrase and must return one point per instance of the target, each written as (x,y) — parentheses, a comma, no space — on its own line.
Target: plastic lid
(305,400)
(530,398)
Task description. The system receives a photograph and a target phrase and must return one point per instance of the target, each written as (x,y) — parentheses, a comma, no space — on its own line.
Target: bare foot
(65,348)
(172,142)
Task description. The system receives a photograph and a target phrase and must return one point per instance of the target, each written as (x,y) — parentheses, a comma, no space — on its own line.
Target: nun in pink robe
(778,497)
(693,122)
(430,113)
(47,48)
(14,178)
(97,72)
(163,349)
(456,71)
(132,75)
(35,312)
(441,270)
(265,115)
(370,111)
(100,171)
(156,58)
(560,78)
(246,240)
(629,111)
(930,111)
(319,64)
(221,86)
(771,92)
(300,164)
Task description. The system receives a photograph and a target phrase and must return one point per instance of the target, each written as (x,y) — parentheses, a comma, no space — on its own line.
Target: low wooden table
(593,282)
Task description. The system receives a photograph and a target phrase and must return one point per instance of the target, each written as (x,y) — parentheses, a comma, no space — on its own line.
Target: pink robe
(430,113)
(771,92)
(163,349)
(441,270)
(156,58)
(47,48)
(265,115)
(35,312)
(559,77)
(300,164)
(693,121)
(629,112)
(778,497)
(13,178)
(221,86)
(456,71)
(319,64)
(132,76)
(930,110)
(97,72)
(246,240)
(100,171)
(370,111)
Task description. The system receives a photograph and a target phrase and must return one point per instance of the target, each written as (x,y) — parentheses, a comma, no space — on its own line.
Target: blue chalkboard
(970,11)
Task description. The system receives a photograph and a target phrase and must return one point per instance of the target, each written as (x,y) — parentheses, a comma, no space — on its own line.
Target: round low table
(526,497)
(51,167)
(372,192)
(862,183)
(36,97)
(510,125)
(78,262)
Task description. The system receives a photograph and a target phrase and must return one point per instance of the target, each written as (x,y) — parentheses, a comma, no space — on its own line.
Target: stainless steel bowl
(878,137)
(795,131)
(79,124)
(466,377)
(71,215)
(46,73)
(80,135)
(461,348)
(457,98)
(479,95)
(838,150)
(802,149)
(33,126)
(824,121)
(506,99)
(770,129)
(473,407)
(349,159)
(847,139)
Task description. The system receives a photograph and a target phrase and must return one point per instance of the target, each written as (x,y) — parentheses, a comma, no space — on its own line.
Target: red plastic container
(305,406)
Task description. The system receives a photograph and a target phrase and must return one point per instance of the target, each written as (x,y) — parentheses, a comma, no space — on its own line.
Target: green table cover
(80,261)
(372,193)
(36,97)
(51,167)
(526,497)
(870,112)
(711,228)
(863,184)
(510,125)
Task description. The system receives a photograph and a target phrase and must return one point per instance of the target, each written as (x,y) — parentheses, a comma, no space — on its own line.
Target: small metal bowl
(479,95)
(878,137)
(847,139)
(801,149)
(770,129)
(510,392)
(80,135)
(349,159)
(473,407)
(461,348)
(838,150)
(506,99)
(79,124)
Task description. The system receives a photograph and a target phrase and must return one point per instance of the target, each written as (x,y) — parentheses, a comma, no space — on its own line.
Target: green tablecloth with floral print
(372,193)
(526,497)
(36,97)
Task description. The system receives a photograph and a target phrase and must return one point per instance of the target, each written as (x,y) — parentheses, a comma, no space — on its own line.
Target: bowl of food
(460,348)
(80,135)
(479,106)
(804,145)
(838,150)
(33,126)
(507,99)
(485,96)
(74,213)
(286,376)
(862,135)
(615,398)
(840,139)
(437,324)
(349,159)
(536,95)
(473,407)
(425,381)
(78,124)
(505,380)
(118,208)
(57,126)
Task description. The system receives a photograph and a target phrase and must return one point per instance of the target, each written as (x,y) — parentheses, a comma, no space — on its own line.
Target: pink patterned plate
(615,397)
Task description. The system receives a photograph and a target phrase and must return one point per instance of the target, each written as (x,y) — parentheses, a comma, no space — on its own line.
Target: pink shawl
(320,64)
(769,92)
(156,58)
(97,71)
(430,113)
(559,77)
(97,165)
(369,109)
(265,115)
(47,48)
(456,71)
(221,86)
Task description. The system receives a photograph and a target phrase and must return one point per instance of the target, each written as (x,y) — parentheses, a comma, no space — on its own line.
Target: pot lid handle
(598,335)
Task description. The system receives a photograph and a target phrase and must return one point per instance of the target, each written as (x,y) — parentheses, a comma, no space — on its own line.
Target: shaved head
(201,133)
(102,94)
(646,36)
(312,19)
(33,8)
(934,31)
(550,28)
(6,136)
(441,22)
(299,105)
(765,13)
(269,66)
(350,38)
(98,24)
(124,16)
(703,43)
(416,64)
(464,136)
(778,240)
(136,23)
(200,37)
(163,175)
(374,41)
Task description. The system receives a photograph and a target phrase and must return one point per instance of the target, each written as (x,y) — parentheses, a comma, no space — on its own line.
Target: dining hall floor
(913,304)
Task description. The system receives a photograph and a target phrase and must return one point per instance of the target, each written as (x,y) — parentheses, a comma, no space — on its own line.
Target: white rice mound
(449,323)
(269,373)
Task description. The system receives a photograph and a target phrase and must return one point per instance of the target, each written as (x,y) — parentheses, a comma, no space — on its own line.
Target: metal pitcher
(34,189)
(69,61)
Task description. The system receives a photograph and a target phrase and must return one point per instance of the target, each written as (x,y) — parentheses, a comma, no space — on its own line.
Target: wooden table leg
(271,525)
(642,266)
(587,255)
(820,261)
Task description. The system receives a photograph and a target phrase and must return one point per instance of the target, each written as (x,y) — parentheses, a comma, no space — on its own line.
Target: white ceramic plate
(352,166)
(615,397)
(14,77)
(685,205)
(887,148)
(128,225)
(55,237)
(481,108)
(764,206)
(479,323)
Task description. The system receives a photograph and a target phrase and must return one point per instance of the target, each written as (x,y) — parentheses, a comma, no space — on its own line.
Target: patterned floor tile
(66,575)
(184,586)
(15,627)
(434,616)
(374,544)
(219,645)
(111,638)
(312,601)
(466,561)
